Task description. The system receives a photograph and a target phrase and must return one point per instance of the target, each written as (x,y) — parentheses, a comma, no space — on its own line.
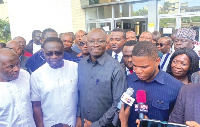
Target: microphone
(141,100)
(126,99)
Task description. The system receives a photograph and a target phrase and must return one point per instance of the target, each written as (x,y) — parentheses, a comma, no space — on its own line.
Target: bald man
(67,40)
(130,35)
(15,104)
(146,36)
(18,50)
(101,88)
(78,36)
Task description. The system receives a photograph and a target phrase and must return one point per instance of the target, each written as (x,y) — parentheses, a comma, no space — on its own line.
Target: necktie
(116,56)
(131,71)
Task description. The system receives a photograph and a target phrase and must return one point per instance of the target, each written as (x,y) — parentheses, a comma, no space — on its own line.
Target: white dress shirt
(15,103)
(120,55)
(57,91)
(36,48)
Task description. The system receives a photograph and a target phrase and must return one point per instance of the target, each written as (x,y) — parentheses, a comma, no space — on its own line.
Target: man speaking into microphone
(161,88)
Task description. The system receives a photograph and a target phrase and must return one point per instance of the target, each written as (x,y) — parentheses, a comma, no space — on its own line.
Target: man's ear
(158,61)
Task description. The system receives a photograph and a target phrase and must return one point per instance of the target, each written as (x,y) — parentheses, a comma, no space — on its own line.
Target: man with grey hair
(15,104)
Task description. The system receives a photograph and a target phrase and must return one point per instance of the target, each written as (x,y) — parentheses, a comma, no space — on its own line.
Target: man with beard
(117,39)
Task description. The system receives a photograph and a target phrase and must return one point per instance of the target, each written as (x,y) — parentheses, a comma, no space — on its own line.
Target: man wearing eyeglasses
(67,40)
(164,45)
(83,47)
(54,87)
(101,83)
(38,59)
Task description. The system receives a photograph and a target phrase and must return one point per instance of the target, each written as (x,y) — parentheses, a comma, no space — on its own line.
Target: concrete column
(152,15)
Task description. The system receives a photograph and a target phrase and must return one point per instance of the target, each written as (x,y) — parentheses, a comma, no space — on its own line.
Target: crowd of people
(77,80)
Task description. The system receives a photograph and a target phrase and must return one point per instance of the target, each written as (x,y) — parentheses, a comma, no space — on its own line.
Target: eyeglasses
(83,43)
(57,53)
(99,42)
(161,44)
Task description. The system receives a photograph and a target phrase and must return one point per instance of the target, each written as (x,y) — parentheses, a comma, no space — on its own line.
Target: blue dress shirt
(161,95)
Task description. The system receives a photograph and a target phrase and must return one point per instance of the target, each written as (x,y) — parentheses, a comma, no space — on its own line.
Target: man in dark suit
(18,50)
(117,39)
(127,56)
(34,45)
(187,105)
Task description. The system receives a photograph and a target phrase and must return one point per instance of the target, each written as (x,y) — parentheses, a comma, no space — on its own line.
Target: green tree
(5,34)
(140,12)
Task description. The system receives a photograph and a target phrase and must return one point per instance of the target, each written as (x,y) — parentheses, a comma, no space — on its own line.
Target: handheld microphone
(126,99)
(141,100)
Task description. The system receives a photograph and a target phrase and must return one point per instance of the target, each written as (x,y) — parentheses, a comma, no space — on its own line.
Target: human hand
(124,115)
(192,124)
(78,122)
(138,121)
(87,123)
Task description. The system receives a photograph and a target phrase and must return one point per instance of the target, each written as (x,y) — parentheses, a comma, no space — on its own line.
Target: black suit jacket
(109,51)
(29,47)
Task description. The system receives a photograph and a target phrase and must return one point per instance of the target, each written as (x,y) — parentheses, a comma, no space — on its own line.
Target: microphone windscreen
(141,96)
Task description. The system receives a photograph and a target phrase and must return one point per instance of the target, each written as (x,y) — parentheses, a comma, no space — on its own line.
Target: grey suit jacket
(187,107)
(23,62)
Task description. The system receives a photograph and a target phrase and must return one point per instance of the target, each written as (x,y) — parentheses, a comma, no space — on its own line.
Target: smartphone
(157,123)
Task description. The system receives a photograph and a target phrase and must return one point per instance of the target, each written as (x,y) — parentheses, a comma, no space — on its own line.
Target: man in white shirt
(117,39)
(54,87)
(15,103)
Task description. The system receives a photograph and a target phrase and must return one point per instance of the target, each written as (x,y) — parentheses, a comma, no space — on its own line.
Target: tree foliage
(5,34)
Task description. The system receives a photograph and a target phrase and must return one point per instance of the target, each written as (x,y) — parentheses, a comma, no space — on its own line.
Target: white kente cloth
(57,91)
(15,104)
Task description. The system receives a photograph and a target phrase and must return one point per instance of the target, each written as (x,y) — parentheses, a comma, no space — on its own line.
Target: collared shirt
(161,95)
(101,84)
(15,103)
(165,62)
(128,72)
(36,47)
(75,48)
(58,93)
(119,57)
(38,59)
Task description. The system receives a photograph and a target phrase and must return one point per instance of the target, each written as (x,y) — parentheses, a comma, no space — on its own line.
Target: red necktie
(131,71)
